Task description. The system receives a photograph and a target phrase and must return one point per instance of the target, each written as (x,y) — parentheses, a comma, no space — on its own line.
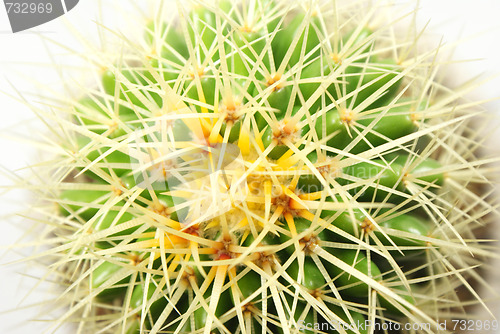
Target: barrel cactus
(268,166)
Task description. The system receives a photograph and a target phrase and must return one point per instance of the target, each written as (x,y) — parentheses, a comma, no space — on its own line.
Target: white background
(24,57)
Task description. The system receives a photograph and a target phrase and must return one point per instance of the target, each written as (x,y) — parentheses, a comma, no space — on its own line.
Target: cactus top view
(267,166)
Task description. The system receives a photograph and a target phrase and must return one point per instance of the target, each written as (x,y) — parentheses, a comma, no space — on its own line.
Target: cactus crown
(262,167)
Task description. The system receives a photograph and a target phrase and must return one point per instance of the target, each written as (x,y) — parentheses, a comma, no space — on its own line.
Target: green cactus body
(272,161)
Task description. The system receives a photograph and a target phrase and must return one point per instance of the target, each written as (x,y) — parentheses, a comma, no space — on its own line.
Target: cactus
(268,167)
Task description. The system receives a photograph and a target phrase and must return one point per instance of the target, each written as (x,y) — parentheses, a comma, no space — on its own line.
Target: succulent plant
(268,167)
